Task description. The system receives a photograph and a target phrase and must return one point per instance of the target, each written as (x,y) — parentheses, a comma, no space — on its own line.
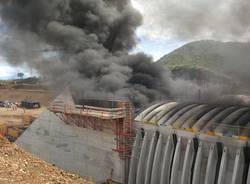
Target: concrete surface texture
(82,151)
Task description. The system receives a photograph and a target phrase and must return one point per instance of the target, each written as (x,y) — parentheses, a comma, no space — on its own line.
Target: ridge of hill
(231,59)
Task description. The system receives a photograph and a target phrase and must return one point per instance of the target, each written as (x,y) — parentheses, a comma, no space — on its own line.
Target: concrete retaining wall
(78,150)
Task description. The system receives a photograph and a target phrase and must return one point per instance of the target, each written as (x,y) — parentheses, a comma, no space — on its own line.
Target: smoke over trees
(92,39)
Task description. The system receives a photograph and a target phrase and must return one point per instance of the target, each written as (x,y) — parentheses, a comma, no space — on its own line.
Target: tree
(20,75)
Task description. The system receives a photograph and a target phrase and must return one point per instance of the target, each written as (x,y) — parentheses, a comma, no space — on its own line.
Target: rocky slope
(17,166)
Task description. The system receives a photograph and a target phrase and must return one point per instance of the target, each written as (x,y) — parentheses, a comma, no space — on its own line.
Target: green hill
(220,59)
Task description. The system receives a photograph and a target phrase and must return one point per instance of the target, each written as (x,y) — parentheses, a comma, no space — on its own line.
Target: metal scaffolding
(117,120)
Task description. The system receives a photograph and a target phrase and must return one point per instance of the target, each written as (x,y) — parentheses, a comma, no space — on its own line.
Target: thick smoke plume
(84,43)
(225,20)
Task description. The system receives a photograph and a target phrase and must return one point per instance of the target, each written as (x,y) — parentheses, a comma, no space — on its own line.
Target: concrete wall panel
(82,151)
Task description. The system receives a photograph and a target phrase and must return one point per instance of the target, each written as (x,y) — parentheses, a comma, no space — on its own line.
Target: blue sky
(156,47)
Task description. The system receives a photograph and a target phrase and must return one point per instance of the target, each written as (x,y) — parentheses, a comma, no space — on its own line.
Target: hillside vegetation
(229,60)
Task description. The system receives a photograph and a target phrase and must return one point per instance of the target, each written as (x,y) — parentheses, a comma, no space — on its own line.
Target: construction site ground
(17,95)
(21,118)
(19,92)
(15,117)
(16,165)
(19,167)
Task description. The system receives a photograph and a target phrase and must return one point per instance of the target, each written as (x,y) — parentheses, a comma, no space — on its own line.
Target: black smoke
(84,43)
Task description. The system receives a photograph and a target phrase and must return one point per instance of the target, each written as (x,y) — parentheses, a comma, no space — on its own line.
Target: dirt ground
(15,117)
(17,95)
(19,167)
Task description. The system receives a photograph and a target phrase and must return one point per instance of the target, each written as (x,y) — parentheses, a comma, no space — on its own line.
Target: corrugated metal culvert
(191,143)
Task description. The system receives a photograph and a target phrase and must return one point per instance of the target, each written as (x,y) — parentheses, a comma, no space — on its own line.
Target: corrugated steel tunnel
(191,143)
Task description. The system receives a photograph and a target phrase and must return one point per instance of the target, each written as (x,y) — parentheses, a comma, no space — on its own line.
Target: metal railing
(89,111)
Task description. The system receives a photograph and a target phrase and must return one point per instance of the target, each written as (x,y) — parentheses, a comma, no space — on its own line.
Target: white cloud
(188,20)
(137,5)
(9,72)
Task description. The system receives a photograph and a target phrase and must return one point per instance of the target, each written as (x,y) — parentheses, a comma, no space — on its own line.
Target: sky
(6,70)
(152,41)
(149,43)
(155,47)
(10,72)
(169,24)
